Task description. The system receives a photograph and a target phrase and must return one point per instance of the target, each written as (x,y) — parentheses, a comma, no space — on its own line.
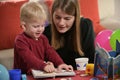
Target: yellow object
(89,69)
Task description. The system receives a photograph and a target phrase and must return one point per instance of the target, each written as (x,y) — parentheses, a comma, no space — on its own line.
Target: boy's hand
(66,67)
(49,67)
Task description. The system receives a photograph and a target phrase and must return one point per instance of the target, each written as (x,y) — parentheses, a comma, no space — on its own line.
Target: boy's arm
(51,54)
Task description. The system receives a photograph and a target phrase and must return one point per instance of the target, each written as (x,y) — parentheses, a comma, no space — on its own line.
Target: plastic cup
(90,69)
(81,63)
(15,74)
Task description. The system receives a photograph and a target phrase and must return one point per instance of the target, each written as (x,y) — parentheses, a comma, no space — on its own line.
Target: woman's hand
(65,67)
(49,67)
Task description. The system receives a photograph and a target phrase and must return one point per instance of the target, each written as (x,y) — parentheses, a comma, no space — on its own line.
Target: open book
(42,74)
(107,64)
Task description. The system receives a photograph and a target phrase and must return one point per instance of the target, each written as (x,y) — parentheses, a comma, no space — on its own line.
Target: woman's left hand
(65,67)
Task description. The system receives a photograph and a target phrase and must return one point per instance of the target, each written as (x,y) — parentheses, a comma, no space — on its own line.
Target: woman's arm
(87,38)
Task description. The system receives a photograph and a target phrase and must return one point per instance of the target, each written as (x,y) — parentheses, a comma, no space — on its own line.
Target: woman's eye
(67,18)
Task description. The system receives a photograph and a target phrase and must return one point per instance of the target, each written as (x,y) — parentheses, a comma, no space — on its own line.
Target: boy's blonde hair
(32,11)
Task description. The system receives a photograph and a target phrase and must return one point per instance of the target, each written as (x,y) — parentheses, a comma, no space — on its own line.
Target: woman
(70,35)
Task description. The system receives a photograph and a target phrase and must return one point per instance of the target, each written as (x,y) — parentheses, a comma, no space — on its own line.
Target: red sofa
(10,23)
(9,28)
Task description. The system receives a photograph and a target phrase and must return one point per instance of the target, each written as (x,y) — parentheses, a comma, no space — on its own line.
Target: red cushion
(9,23)
(48,3)
(89,9)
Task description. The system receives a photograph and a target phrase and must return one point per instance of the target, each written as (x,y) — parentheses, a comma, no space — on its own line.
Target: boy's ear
(23,25)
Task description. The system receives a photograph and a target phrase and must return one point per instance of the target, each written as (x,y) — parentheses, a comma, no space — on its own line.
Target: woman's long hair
(70,7)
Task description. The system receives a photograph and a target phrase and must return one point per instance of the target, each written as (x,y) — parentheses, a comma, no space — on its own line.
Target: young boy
(32,49)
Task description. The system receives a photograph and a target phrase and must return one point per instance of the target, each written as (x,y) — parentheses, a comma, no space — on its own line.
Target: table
(76,77)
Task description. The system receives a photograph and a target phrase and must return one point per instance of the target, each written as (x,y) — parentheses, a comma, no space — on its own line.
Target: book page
(42,74)
(65,73)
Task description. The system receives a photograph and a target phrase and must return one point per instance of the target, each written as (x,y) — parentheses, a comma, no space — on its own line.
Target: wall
(109,11)
(117,9)
(106,8)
